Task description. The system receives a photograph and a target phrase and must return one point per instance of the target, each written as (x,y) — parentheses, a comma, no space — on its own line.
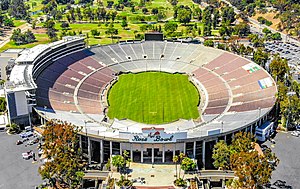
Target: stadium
(195,96)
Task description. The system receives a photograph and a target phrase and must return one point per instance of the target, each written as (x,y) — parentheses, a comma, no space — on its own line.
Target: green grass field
(153,98)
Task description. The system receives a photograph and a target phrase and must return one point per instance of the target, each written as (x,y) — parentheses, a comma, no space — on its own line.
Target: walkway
(159,176)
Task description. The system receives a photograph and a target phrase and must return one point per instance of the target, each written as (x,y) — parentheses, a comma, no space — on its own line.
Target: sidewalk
(161,175)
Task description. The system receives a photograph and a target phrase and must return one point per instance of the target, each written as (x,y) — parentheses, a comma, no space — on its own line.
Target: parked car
(280,183)
(27,155)
(26,135)
(40,152)
(295,133)
(25,139)
(19,142)
(31,142)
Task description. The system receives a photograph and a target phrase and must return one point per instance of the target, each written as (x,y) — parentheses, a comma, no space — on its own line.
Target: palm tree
(175,160)
(181,156)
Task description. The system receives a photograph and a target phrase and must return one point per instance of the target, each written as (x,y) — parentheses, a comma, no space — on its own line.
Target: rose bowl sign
(156,135)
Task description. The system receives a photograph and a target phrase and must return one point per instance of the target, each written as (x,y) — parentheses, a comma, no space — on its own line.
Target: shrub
(262,20)
(209,43)
(14,128)
(95,32)
(65,25)
(111,183)
(180,182)
(124,182)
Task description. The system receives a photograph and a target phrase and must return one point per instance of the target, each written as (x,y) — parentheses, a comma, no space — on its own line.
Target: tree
(154,11)
(95,32)
(161,15)
(266,31)
(110,4)
(111,31)
(113,15)
(8,22)
(187,164)
(256,41)
(207,21)
(197,13)
(144,10)
(51,31)
(242,29)
(61,147)
(279,68)
(253,170)
(173,2)
(118,161)
(276,36)
(260,57)
(242,142)
(124,23)
(184,16)
(225,30)
(228,15)
(216,17)
(170,27)
(33,24)
(65,25)
(175,160)
(18,9)
(121,161)
(221,155)
(22,38)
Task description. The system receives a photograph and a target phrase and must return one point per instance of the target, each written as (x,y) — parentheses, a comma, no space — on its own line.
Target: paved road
(16,173)
(255,26)
(287,149)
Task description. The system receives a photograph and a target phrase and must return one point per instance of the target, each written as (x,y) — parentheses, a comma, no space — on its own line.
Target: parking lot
(287,149)
(15,172)
(286,50)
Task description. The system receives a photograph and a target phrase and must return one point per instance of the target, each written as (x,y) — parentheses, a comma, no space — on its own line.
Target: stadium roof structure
(235,92)
(21,78)
(29,55)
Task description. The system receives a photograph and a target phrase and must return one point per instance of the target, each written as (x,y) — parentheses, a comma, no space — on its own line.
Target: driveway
(16,172)
(287,149)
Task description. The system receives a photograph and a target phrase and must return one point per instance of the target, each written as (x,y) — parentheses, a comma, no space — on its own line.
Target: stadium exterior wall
(99,149)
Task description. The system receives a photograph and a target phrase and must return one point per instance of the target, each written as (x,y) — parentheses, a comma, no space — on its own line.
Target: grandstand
(236,94)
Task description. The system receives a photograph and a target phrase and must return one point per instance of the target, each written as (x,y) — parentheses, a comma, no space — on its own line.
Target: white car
(27,155)
(295,133)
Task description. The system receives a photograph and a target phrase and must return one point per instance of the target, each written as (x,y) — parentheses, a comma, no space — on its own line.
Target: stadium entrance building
(67,81)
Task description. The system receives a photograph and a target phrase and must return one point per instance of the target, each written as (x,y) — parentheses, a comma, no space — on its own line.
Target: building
(69,82)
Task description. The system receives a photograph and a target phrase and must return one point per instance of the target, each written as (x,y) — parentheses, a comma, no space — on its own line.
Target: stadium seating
(76,82)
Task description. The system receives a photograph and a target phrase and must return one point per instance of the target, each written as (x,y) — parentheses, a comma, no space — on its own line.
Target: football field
(153,98)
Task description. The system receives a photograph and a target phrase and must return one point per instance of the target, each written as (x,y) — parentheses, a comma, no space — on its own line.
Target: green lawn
(41,39)
(18,23)
(153,98)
